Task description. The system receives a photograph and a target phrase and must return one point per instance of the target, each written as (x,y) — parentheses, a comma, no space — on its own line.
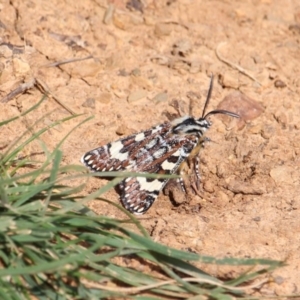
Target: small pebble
(86,68)
(222,199)
(268,131)
(123,130)
(247,108)
(295,28)
(246,188)
(279,84)
(182,48)
(282,174)
(141,82)
(90,102)
(162,29)
(161,97)
(195,67)
(136,72)
(123,73)
(137,95)
(150,21)
(281,117)
(279,280)
(21,67)
(229,80)
(208,186)
(108,15)
(104,98)
(122,21)
(272,74)
(135,5)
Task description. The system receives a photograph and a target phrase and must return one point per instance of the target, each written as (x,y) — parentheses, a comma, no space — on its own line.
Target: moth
(162,149)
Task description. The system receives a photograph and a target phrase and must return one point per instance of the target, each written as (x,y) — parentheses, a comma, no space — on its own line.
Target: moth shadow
(180,199)
(175,193)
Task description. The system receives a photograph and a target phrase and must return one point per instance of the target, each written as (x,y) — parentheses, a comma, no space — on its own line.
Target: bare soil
(126,63)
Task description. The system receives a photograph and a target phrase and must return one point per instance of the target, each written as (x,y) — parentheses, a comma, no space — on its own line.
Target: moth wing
(106,158)
(156,151)
(139,193)
(117,156)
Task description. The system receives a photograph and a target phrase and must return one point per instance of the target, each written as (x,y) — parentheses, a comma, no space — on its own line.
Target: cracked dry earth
(128,63)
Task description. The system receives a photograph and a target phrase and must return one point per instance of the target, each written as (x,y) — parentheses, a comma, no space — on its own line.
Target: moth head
(213,112)
(191,126)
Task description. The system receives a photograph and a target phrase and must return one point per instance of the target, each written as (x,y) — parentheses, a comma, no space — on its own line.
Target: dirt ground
(126,62)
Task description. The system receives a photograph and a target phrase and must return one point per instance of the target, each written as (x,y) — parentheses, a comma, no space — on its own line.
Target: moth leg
(197,171)
(195,182)
(180,181)
(196,162)
(183,171)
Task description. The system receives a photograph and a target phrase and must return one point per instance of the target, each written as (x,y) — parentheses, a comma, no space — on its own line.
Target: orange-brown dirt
(138,59)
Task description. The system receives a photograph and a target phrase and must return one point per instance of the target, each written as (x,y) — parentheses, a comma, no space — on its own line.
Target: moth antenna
(217,111)
(208,94)
(221,111)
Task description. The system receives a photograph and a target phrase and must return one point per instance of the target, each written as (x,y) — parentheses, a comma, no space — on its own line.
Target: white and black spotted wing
(116,156)
(139,193)
(159,150)
(156,151)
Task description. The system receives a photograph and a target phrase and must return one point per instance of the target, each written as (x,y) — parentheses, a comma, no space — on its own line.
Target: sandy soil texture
(127,62)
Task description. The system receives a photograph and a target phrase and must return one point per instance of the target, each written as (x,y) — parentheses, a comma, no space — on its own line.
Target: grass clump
(52,246)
